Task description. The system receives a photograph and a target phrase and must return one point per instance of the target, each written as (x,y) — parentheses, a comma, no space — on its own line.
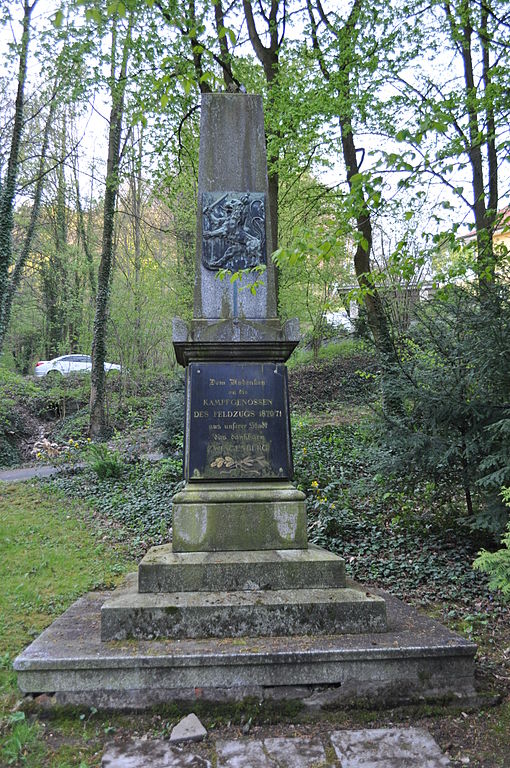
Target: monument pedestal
(130,614)
(239,594)
(163,570)
(215,517)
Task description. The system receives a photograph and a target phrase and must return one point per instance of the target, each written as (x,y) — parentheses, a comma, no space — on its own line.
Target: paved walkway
(18,474)
(370,748)
(26,473)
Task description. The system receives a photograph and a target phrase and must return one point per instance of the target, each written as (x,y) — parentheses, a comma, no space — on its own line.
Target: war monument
(239,604)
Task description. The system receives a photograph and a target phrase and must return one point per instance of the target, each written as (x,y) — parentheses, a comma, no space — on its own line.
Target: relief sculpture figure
(233,230)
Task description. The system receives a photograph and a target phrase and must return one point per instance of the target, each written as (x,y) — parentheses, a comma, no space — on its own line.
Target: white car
(68,364)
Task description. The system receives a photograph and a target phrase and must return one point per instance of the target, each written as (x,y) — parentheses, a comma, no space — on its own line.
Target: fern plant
(104,462)
(497,564)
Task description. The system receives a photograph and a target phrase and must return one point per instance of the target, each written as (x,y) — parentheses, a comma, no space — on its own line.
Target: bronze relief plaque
(233,230)
(237,422)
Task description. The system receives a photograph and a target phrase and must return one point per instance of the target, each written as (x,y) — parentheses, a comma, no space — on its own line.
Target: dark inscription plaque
(233,230)
(237,422)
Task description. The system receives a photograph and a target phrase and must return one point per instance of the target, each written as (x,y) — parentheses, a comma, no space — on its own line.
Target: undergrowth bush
(497,564)
(453,425)
(171,419)
(104,462)
(413,544)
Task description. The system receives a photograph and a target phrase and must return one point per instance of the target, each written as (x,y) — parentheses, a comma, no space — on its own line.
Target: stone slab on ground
(368,748)
(416,659)
(271,753)
(388,748)
(130,614)
(163,570)
(296,752)
(188,729)
(152,753)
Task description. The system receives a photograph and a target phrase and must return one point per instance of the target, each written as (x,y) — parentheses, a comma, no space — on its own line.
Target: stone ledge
(218,351)
(163,570)
(129,614)
(416,659)
(239,492)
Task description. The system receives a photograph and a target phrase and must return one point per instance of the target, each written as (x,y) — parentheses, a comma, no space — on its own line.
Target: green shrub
(410,543)
(453,387)
(171,419)
(497,564)
(104,462)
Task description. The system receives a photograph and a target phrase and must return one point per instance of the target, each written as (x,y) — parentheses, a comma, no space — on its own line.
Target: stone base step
(417,659)
(130,614)
(163,570)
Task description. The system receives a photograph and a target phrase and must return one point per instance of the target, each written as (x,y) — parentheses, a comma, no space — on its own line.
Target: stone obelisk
(239,565)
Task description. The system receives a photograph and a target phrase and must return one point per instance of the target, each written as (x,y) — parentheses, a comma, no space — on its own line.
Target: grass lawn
(50,554)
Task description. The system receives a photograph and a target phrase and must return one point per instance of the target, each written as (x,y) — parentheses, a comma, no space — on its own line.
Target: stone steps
(163,570)
(252,613)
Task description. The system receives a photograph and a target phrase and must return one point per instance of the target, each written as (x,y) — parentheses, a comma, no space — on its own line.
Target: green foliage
(171,419)
(23,738)
(312,266)
(348,347)
(453,424)
(410,543)
(140,500)
(497,564)
(104,462)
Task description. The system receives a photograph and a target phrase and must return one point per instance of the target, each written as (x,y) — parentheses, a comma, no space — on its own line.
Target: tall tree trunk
(82,231)
(98,421)
(136,208)
(14,279)
(345,35)
(8,184)
(269,58)
(484,212)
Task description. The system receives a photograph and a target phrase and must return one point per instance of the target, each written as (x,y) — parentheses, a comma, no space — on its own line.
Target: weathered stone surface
(188,729)
(388,748)
(271,753)
(153,753)
(130,614)
(163,570)
(232,158)
(256,350)
(209,517)
(296,752)
(416,659)
(239,754)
